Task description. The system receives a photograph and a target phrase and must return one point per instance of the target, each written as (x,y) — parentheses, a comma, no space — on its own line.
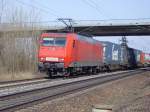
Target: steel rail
(14,88)
(27,97)
(30,86)
(22,83)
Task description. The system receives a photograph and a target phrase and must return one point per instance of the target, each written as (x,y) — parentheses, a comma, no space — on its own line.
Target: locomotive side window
(60,41)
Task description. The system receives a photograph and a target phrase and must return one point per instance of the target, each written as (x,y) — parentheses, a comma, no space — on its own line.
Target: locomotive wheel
(50,74)
(93,71)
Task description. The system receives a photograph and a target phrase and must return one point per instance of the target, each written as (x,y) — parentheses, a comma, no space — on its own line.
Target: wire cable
(47,8)
(35,7)
(93,6)
(98,7)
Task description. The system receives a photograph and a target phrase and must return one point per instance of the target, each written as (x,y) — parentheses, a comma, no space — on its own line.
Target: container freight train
(68,54)
(120,56)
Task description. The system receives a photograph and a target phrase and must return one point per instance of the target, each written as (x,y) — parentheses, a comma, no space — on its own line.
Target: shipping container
(147,56)
(145,59)
(115,54)
(131,58)
(137,57)
(112,52)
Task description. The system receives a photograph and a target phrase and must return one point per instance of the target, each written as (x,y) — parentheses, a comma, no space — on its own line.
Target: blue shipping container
(112,52)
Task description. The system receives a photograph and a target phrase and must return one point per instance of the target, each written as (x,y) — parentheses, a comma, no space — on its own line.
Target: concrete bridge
(95,28)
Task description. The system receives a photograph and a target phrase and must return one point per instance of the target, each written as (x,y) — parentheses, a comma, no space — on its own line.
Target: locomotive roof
(107,42)
(53,34)
(83,37)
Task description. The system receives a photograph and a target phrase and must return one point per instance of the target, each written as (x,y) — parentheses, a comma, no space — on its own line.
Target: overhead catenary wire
(93,6)
(97,6)
(38,8)
(46,7)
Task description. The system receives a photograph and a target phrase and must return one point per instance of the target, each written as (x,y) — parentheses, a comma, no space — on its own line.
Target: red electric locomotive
(69,53)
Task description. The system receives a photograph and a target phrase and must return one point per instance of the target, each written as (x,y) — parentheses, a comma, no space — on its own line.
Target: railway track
(53,89)
(15,82)
(29,85)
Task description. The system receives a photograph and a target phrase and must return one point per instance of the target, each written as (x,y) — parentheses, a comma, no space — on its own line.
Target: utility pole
(124,41)
(124,51)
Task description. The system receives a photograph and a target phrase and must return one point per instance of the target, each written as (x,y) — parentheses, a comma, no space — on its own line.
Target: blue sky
(50,10)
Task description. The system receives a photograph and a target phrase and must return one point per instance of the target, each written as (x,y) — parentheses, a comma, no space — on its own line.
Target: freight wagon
(120,57)
(111,55)
(137,54)
(145,59)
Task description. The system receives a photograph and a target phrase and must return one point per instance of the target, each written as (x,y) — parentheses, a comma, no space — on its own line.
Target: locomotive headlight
(61,59)
(42,59)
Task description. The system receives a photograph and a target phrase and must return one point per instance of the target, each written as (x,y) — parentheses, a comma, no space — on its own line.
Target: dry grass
(18,53)
(18,50)
(17,76)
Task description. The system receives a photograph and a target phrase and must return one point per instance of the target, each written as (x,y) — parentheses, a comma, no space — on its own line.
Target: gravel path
(130,94)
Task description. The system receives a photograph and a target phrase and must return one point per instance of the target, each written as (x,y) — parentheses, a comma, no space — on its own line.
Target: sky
(50,10)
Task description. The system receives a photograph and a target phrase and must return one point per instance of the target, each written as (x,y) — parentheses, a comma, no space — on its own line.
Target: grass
(18,53)
(18,50)
(17,76)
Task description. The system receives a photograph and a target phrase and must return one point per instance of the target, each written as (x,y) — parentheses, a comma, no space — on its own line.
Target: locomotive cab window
(59,41)
(48,42)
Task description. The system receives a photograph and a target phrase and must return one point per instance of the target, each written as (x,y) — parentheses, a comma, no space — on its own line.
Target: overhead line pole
(69,27)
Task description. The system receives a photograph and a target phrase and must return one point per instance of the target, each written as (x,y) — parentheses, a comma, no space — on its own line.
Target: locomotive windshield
(59,41)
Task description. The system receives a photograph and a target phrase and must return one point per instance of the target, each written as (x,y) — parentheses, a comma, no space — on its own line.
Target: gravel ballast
(131,94)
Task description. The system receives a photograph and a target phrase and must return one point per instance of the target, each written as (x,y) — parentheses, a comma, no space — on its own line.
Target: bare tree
(1,9)
(19,51)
